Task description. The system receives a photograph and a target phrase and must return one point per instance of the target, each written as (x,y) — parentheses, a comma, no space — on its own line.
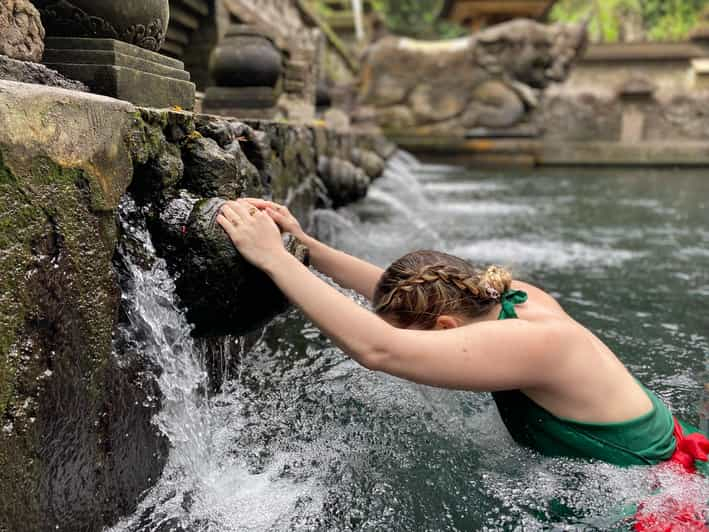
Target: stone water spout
(222,293)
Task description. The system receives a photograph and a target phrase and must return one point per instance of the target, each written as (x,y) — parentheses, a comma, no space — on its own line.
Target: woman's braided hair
(421,286)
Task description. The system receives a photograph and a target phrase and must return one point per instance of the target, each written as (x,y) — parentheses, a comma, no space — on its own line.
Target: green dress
(647,439)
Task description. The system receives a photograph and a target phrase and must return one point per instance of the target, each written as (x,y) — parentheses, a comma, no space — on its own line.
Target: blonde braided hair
(421,286)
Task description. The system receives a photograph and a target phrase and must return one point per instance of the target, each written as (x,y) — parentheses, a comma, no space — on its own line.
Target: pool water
(301,438)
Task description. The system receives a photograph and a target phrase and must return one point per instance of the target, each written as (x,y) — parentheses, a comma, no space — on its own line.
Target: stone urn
(140,22)
(246,57)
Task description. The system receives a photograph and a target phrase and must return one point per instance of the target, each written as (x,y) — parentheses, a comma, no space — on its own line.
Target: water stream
(301,438)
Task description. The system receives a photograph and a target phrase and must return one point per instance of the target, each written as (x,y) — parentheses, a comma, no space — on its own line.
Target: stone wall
(77,442)
(609,115)
(669,65)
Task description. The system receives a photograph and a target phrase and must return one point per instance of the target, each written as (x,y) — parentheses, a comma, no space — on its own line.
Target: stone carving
(489,80)
(344,182)
(21,31)
(112,46)
(139,22)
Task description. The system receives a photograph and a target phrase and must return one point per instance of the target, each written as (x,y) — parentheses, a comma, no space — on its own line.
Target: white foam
(549,253)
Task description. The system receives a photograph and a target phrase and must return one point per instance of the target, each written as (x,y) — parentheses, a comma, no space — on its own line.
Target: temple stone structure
(310,50)
(247,68)
(113,47)
(78,445)
(483,85)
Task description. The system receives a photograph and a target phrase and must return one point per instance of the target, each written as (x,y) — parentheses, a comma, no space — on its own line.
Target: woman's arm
(346,270)
(482,356)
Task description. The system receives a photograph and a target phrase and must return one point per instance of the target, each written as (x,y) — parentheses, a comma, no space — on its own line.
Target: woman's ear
(446,321)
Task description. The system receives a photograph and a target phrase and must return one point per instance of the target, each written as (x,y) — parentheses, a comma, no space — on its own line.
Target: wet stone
(211,170)
(222,293)
(369,161)
(344,181)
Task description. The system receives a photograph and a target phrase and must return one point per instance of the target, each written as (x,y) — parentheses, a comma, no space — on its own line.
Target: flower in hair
(492,293)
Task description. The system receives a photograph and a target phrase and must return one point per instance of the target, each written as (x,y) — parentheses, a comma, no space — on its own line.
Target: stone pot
(140,22)
(246,57)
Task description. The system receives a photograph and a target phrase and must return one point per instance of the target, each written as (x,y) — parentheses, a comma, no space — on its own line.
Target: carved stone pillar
(112,46)
(246,67)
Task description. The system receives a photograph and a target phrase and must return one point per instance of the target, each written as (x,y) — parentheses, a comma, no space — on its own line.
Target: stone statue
(21,31)
(489,80)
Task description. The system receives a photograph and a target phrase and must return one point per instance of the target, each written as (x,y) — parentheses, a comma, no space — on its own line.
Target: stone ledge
(643,51)
(75,129)
(538,152)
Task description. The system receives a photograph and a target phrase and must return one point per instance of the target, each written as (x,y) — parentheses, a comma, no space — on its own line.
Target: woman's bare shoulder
(538,295)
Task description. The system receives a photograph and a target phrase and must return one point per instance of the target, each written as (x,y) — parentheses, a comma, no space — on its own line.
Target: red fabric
(683,516)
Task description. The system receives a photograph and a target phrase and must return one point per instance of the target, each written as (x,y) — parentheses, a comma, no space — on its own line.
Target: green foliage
(661,20)
(671,19)
(416,18)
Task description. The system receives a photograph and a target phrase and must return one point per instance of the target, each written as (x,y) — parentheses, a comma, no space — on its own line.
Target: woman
(439,321)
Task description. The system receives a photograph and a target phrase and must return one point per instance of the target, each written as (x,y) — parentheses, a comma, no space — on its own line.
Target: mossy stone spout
(223,293)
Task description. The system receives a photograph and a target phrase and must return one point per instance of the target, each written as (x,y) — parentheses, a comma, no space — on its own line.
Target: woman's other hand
(281,215)
(253,232)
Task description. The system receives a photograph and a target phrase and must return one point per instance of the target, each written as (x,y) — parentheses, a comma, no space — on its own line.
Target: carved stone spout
(222,293)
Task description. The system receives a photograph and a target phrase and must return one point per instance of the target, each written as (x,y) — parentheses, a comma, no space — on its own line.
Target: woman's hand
(281,215)
(253,233)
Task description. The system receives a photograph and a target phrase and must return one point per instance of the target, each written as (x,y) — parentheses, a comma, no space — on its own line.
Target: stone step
(182,18)
(173,49)
(201,7)
(177,35)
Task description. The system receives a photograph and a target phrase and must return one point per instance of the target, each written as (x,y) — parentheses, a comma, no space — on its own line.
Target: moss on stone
(58,301)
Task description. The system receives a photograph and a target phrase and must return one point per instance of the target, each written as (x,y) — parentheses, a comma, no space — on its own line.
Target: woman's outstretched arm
(484,356)
(346,270)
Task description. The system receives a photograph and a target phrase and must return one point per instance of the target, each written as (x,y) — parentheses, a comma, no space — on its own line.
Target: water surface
(301,438)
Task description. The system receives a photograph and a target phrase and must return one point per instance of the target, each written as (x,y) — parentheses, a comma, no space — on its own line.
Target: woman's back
(612,426)
(592,385)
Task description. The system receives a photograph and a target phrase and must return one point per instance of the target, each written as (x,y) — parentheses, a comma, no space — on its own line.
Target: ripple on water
(480,207)
(543,253)
(463,187)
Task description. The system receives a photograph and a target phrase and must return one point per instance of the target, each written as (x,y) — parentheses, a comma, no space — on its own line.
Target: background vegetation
(633,20)
(611,20)
(417,18)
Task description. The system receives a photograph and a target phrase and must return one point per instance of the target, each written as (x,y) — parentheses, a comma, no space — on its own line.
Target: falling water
(301,438)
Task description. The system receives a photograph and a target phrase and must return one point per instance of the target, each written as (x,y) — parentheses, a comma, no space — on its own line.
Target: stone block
(122,70)
(700,74)
(241,102)
(297,70)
